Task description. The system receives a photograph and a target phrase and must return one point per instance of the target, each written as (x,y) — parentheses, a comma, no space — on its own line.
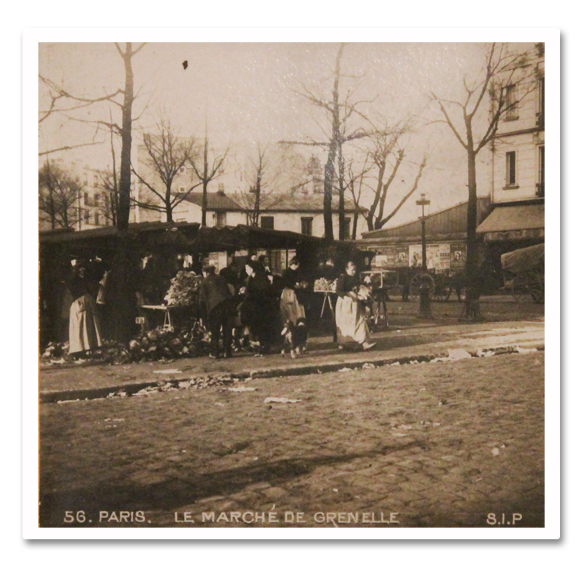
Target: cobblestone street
(441,444)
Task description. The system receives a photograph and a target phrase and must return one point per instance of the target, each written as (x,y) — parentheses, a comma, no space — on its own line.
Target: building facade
(518,160)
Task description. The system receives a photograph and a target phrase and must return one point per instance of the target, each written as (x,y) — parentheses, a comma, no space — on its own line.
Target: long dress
(350,313)
(259,310)
(291,309)
(84,330)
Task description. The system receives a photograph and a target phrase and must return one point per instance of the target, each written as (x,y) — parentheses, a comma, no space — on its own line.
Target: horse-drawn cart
(525,273)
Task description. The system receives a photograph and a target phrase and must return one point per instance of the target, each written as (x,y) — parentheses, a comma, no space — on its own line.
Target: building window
(307,226)
(541,102)
(267,222)
(86,216)
(96,219)
(541,175)
(95,180)
(182,169)
(511,109)
(221,219)
(86,199)
(97,200)
(347,222)
(511,169)
(181,189)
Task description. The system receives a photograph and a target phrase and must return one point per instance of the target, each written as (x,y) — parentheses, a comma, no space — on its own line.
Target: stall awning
(519,222)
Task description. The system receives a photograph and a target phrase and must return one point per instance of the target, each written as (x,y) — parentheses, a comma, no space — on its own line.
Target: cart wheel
(442,293)
(537,289)
(418,280)
(521,292)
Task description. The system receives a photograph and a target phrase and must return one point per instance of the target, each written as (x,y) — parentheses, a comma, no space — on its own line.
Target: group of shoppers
(249,307)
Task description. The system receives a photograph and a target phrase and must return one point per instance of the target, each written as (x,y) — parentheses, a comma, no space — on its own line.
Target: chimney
(221,189)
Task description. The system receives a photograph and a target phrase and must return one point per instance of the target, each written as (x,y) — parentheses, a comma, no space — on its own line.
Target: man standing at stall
(216,301)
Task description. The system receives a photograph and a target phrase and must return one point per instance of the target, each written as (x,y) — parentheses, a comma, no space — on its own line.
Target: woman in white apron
(350,311)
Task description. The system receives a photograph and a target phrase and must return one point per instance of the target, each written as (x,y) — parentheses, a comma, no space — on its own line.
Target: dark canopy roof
(187,237)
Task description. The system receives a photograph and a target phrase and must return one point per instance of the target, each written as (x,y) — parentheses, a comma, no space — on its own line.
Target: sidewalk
(421,342)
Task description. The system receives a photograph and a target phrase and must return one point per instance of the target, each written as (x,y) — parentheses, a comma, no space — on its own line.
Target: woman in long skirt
(84,331)
(350,311)
(260,310)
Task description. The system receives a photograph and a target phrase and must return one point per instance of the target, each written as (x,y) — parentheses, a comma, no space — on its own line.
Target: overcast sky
(248,93)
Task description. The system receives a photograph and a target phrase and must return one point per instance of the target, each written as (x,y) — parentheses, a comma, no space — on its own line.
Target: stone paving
(423,339)
(443,444)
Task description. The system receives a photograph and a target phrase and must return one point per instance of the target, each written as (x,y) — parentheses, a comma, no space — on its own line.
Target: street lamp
(424,297)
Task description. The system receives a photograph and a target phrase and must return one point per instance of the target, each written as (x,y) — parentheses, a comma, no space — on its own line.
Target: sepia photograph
(296,285)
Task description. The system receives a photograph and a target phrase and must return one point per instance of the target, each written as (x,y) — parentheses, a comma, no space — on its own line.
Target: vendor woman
(350,311)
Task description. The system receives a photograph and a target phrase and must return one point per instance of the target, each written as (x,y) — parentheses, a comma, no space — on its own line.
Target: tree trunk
(471,309)
(204,199)
(341,203)
(125,157)
(355,225)
(121,300)
(328,185)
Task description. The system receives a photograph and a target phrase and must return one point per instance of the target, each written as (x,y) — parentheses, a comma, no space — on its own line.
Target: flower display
(184,289)
(323,284)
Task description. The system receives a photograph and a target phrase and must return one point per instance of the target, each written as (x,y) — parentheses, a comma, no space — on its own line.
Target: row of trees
(469,119)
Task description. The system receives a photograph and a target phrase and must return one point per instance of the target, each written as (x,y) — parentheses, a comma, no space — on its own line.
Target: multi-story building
(518,160)
(93,207)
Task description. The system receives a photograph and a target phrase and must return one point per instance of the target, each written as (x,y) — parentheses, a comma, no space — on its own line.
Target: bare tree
(59,196)
(339,111)
(67,104)
(387,155)
(490,94)
(166,154)
(273,177)
(62,102)
(211,168)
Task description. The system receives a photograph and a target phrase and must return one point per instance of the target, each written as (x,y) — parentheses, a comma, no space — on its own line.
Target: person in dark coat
(260,309)
(217,304)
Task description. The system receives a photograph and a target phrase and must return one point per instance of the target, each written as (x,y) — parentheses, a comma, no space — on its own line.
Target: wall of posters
(437,255)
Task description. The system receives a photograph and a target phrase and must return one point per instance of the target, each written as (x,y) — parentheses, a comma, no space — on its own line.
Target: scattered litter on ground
(170,371)
(368,365)
(495,452)
(346,369)
(422,389)
(67,401)
(185,384)
(280,401)
(396,363)
(60,361)
(219,404)
(458,354)
(334,489)
(436,424)
(399,435)
(241,389)
(148,391)
(482,353)
(118,394)
(522,350)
